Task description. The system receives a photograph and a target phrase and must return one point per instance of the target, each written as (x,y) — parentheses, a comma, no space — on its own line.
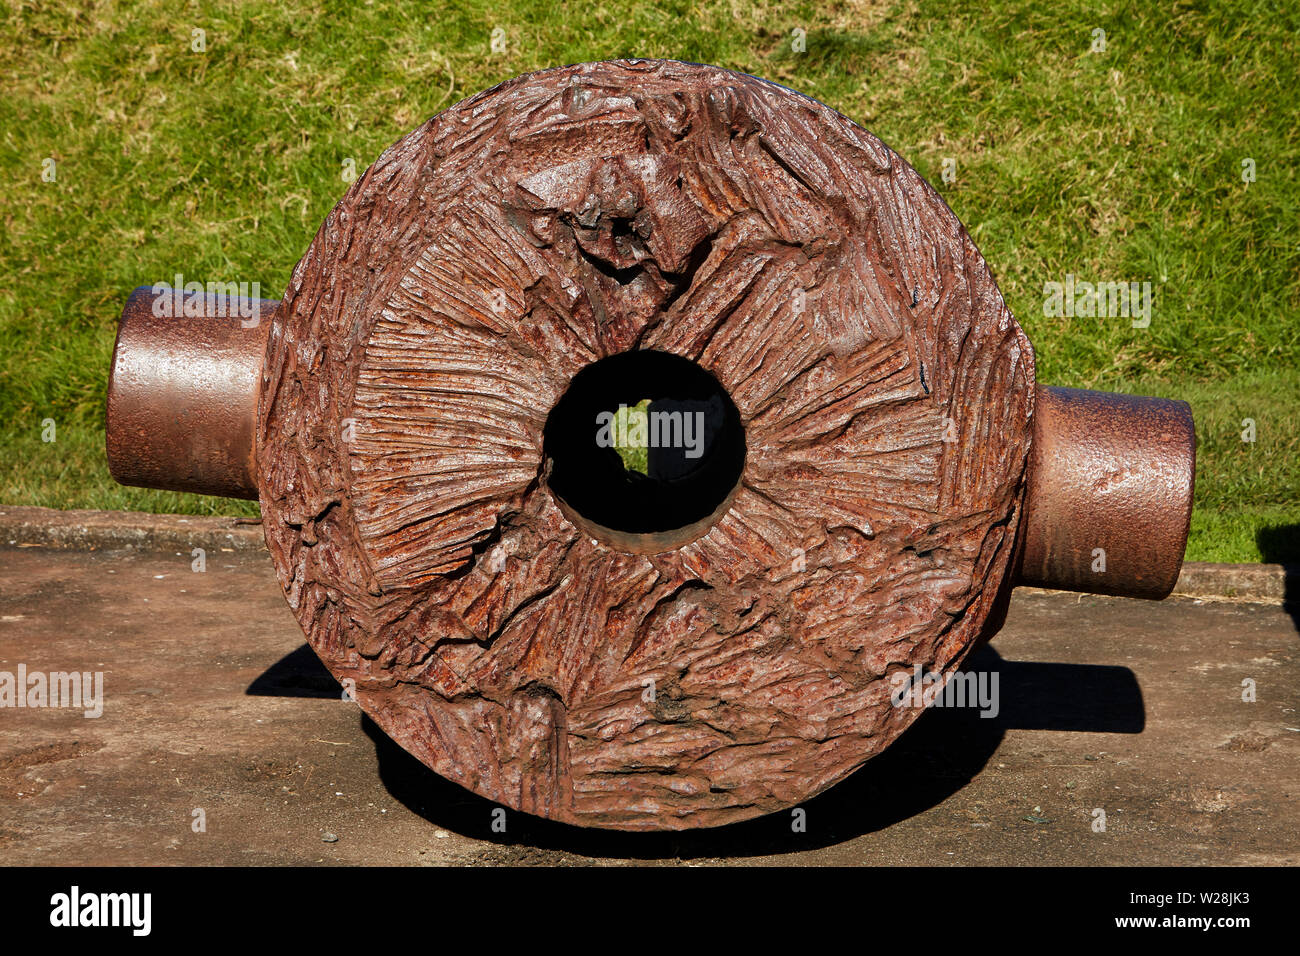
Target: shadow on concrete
(934,759)
(297,674)
(1280,544)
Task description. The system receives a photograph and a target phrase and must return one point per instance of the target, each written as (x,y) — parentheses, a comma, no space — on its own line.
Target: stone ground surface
(213,702)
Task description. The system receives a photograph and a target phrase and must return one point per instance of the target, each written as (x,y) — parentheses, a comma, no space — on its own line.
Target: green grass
(1114,166)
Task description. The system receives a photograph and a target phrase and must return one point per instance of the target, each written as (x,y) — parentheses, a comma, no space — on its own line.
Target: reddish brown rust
(1109,496)
(182,396)
(576,214)
(884,391)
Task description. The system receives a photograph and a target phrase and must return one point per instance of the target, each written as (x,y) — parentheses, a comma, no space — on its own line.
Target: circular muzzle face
(593,245)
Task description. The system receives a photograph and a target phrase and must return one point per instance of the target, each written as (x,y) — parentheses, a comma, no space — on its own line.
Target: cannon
(630,428)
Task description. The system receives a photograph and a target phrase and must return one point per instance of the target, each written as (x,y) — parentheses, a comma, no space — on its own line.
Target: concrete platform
(212,702)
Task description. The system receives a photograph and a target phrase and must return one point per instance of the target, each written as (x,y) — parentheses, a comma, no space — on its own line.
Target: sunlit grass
(1114,166)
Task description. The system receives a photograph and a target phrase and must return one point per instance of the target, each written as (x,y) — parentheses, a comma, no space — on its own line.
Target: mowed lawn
(1164,151)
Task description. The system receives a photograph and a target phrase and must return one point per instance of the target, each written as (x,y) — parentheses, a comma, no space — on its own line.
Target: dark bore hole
(645,443)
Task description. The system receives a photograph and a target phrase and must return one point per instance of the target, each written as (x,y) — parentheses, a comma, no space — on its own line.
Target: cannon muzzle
(631,433)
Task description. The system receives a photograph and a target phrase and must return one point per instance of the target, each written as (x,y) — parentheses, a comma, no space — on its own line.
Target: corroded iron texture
(1109,497)
(182,400)
(441,312)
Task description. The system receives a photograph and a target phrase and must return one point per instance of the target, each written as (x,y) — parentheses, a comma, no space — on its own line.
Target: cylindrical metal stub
(182,399)
(1109,496)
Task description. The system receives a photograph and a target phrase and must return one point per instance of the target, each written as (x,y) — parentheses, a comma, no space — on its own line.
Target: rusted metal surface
(182,396)
(1109,499)
(574,215)
(651,675)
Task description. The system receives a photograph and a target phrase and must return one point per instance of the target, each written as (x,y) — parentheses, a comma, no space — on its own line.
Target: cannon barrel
(630,431)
